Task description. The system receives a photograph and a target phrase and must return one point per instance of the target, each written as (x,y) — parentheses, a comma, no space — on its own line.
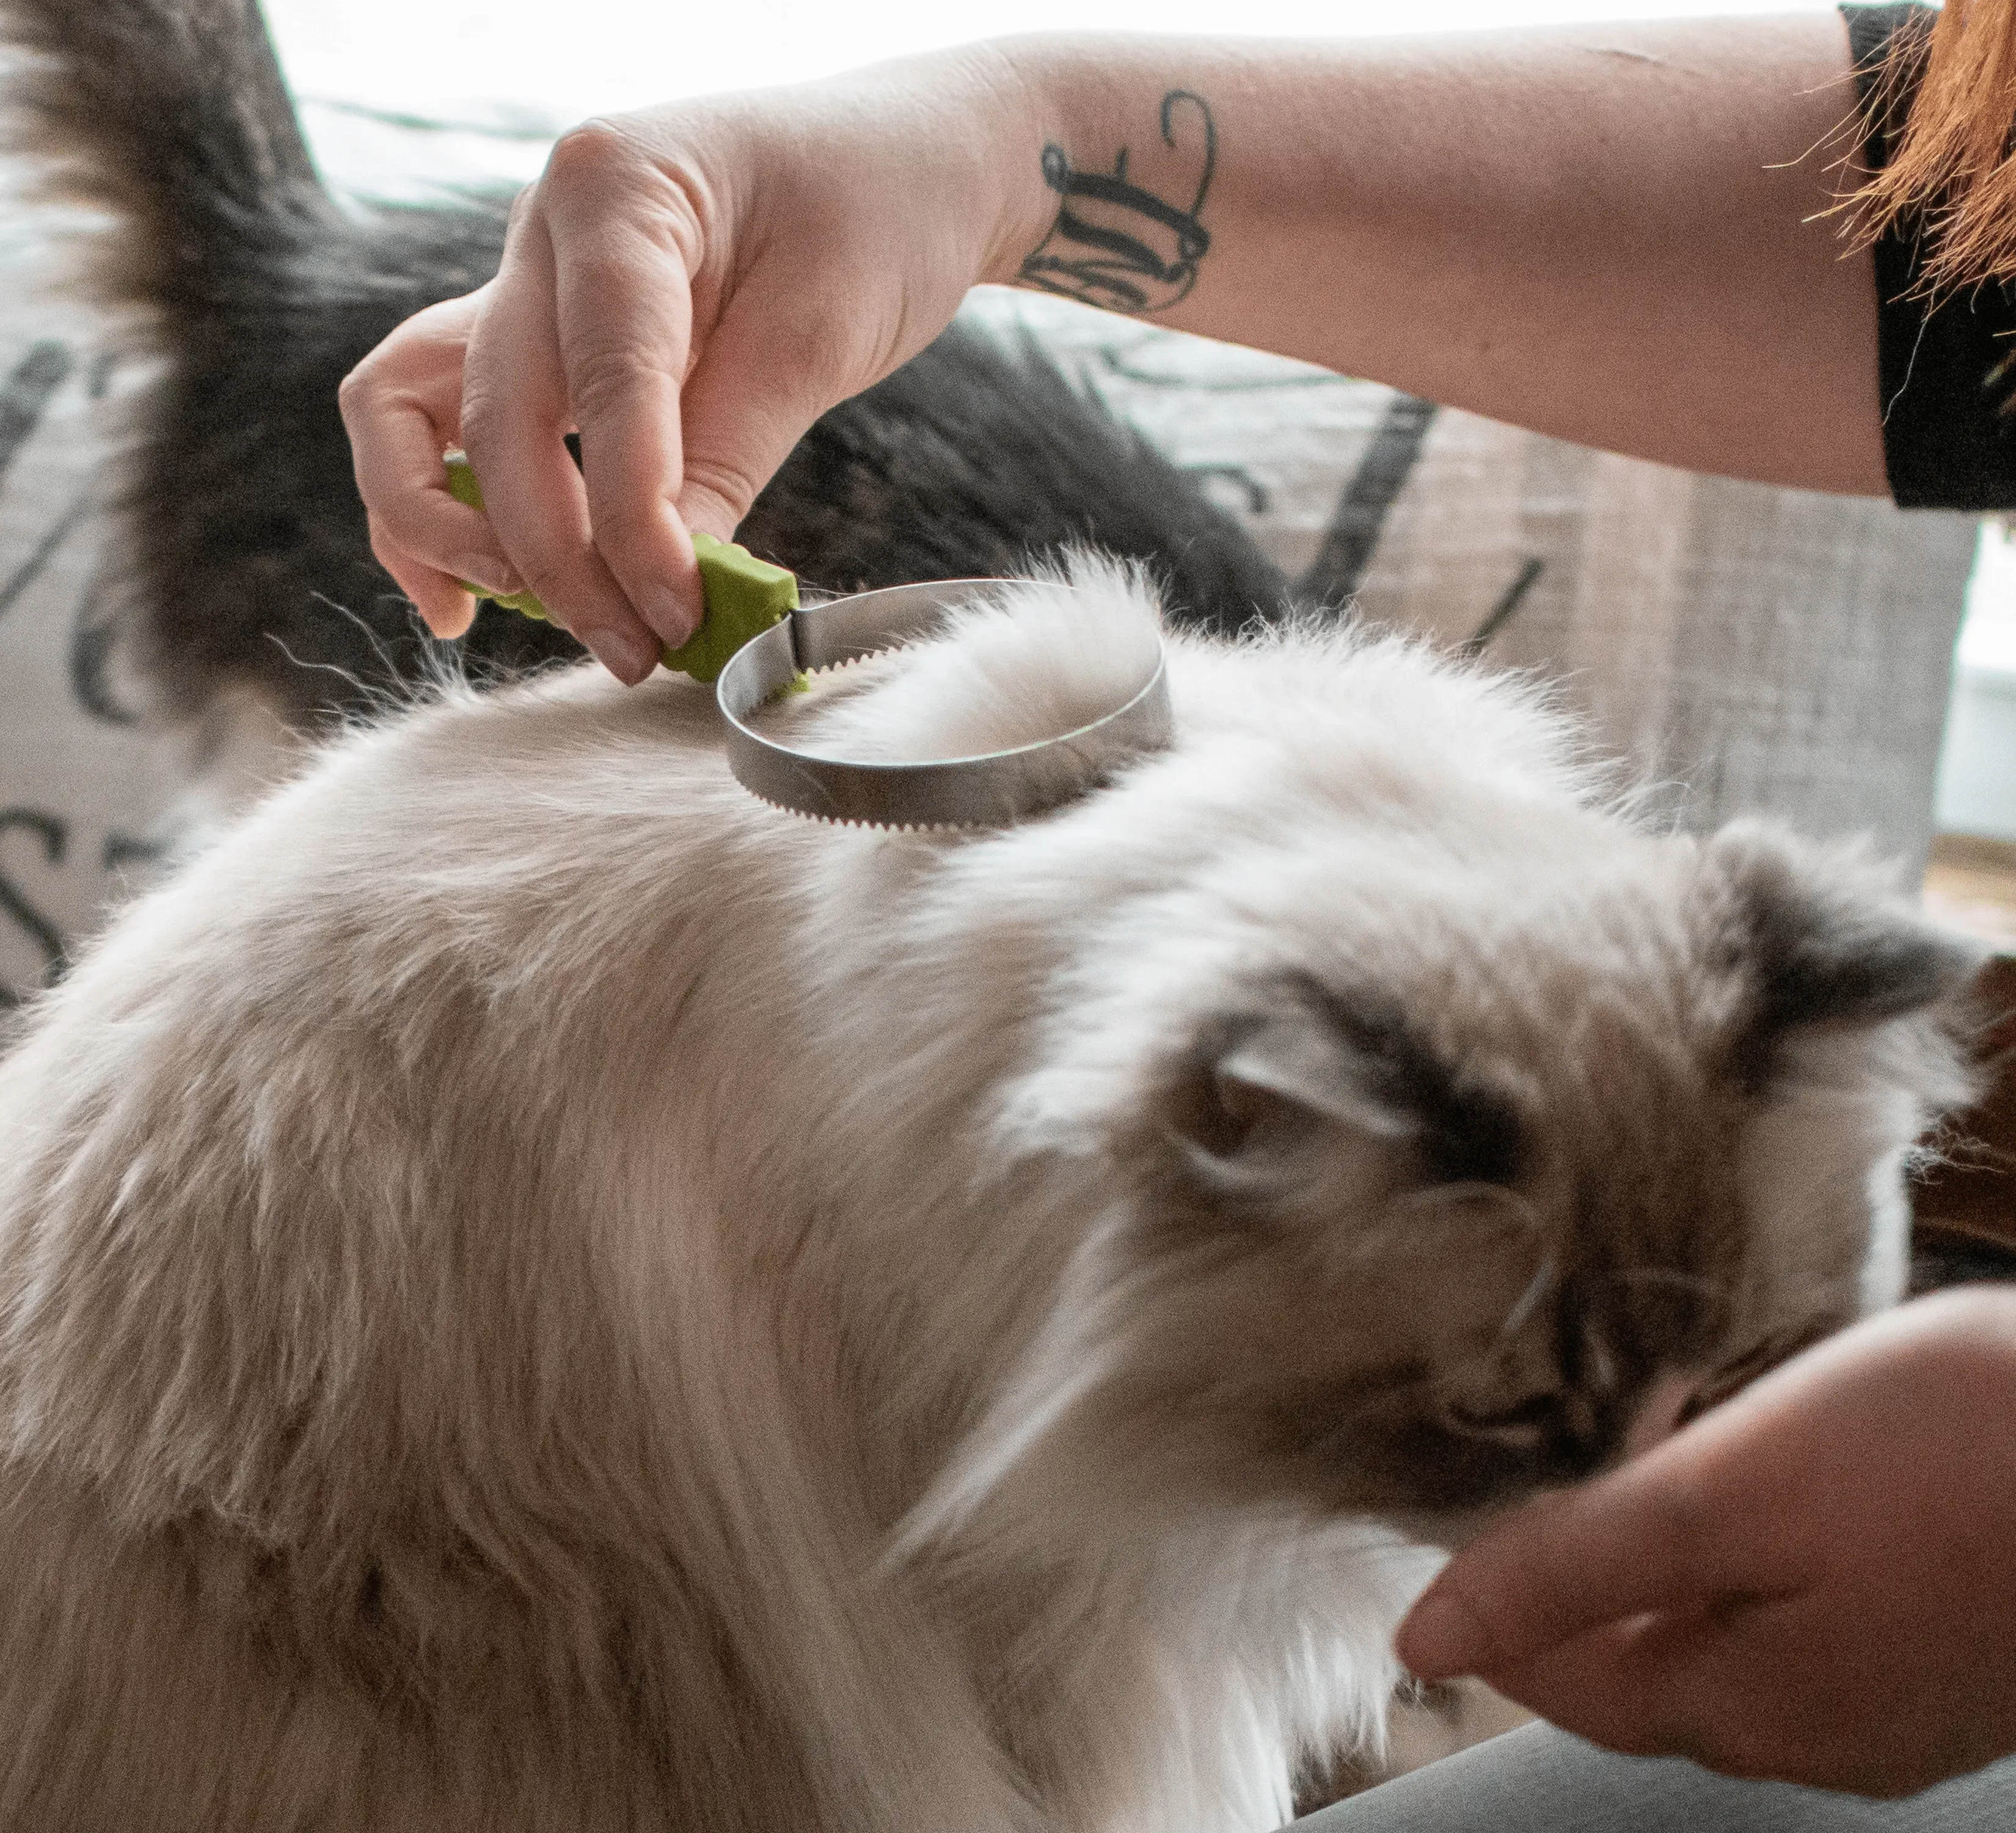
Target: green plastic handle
(744,595)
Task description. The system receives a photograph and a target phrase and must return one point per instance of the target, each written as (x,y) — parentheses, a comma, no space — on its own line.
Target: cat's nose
(1660,1414)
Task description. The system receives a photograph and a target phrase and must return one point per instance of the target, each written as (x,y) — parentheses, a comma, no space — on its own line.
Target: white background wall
(570,58)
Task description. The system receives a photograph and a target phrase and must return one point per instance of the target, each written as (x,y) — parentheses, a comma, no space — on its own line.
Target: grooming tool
(756,643)
(994,789)
(744,596)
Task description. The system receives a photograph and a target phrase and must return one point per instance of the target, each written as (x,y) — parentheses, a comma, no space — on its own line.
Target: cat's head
(1433,1180)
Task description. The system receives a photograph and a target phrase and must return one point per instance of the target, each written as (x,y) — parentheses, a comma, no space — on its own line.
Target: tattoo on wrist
(1118,244)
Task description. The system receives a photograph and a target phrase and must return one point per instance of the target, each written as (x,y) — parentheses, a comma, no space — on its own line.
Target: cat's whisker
(1695,1284)
(1538,1288)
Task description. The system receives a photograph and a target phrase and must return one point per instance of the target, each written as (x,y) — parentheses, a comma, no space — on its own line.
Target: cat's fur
(245,573)
(657,1313)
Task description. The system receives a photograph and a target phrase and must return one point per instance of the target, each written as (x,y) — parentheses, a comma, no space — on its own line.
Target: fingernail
(628,655)
(1442,1637)
(447,627)
(673,617)
(493,575)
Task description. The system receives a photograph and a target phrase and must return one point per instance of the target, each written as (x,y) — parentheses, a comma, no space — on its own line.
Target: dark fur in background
(243,528)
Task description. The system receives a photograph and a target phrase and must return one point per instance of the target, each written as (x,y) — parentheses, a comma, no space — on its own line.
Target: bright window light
(578,57)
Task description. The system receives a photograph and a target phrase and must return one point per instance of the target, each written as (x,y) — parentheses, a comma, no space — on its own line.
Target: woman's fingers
(1656,1686)
(1703,1516)
(1648,1537)
(447,609)
(623,309)
(1786,1687)
(515,413)
(1810,1582)
(402,408)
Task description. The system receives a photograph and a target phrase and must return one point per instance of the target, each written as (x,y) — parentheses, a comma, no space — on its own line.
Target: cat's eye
(1473,1136)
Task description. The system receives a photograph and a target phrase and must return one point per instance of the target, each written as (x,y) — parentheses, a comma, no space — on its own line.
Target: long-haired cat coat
(660,1314)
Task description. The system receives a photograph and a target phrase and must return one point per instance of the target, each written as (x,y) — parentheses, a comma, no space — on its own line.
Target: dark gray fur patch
(1464,1132)
(1469,1133)
(1824,947)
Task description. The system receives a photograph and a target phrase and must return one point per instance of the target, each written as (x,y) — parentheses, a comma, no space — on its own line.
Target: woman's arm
(1604,233)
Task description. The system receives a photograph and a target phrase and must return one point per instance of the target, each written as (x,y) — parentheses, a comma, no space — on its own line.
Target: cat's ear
(1826,940)
(1273,1077)
(1311,1061)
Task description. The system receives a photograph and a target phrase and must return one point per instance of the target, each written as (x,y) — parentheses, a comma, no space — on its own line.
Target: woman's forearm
(1606,233)
(1610,233)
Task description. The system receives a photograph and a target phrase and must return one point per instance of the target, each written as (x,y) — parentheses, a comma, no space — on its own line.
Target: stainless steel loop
(993,789)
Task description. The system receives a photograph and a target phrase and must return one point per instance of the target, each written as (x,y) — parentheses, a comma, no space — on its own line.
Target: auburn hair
(1951,175)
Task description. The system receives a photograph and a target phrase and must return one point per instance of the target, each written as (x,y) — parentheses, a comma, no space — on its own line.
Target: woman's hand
(1606,233)
(1816,1583)
(690,288)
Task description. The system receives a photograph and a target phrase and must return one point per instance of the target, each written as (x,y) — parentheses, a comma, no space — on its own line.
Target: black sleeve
(1947,376)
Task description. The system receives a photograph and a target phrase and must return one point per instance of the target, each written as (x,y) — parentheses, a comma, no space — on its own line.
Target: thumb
(1652,1536)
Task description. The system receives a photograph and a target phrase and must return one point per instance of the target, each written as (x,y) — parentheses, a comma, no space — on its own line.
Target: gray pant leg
(1538,1779)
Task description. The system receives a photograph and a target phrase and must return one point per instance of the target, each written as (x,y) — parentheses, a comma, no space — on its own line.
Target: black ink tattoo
(1116,244)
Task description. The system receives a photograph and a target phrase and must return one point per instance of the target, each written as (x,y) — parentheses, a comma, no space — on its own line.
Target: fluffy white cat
(537,1291)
